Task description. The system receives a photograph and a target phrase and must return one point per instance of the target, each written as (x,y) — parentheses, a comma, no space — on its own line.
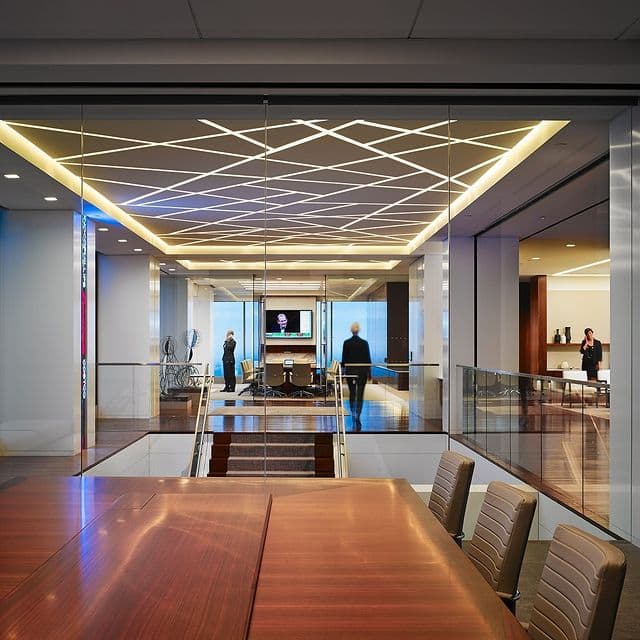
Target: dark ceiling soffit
(547,192)
(327,93)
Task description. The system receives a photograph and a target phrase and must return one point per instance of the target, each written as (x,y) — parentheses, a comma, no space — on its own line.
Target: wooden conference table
(225,558)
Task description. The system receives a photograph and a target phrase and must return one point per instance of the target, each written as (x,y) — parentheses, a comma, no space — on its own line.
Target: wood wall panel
(533,326)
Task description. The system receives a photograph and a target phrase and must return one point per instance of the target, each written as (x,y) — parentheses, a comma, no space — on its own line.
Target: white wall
(577,302)
(40,332)
(414,456)
(156,454)
(203,322)
(128,332)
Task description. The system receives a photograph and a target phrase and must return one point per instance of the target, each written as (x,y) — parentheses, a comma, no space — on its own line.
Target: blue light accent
(91,211)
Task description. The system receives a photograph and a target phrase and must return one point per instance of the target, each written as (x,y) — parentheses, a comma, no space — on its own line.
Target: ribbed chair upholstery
(579,590)
(450,492)
(500,538)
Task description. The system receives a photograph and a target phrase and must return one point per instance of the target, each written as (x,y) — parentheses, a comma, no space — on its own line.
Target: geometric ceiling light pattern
(216,185)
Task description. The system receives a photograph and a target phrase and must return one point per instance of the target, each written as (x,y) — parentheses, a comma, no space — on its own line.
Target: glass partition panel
(46,251)
(176,194)
(535,251)
(539,429)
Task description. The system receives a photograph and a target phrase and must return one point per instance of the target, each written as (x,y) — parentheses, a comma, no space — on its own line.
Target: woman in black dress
(229,362)
(591,350)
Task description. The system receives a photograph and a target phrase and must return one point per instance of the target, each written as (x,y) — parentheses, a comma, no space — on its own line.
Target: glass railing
(150,410)
(551,432)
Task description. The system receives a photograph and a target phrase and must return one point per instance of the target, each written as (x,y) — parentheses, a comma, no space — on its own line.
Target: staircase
(288,454)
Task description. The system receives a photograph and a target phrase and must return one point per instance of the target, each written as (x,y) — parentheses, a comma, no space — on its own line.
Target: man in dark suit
(355,351)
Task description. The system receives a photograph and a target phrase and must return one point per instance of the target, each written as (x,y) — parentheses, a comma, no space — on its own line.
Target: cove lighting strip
(569,272)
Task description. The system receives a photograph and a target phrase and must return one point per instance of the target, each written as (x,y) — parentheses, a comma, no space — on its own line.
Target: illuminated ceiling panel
(199,185)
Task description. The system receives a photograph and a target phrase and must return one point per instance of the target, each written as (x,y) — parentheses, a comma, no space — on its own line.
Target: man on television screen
(281,322)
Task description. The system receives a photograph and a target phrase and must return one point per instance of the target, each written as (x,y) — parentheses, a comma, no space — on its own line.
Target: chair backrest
(580,587)
(604,375)
(450,491)
(500,537)
(247,370)
(575,374)
(332,370)
(273,374)
(301,374)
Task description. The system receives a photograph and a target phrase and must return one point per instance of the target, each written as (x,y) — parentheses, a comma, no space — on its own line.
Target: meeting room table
(256,558)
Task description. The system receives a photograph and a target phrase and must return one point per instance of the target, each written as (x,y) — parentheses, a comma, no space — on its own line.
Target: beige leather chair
(332,372)
(450,492)
(579,589)
(500,538)
(249,377)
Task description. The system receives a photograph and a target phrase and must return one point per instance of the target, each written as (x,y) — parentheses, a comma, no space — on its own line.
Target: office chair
(580,588)
(250,376)
(450,492)
(273,378)
(301,378)
(578,376)
(604,375)
(500,538)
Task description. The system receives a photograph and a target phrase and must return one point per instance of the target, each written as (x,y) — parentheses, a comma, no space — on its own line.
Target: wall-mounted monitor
(289,323)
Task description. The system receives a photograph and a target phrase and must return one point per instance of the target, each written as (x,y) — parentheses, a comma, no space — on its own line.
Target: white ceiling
(288,19)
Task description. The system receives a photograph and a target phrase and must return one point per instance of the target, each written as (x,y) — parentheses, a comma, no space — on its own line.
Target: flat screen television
(289,323)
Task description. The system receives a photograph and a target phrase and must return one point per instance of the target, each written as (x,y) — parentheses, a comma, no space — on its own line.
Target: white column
(40,332)
(459,341)
(427,303)
(498,306)
(624,448)
(176,310)
(128,332)
(203,323)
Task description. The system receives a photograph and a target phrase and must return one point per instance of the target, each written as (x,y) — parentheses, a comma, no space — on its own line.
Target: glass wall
(454,235)
(46,295)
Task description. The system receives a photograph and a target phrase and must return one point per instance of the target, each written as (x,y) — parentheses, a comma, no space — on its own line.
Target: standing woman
(229,362)
(591,350)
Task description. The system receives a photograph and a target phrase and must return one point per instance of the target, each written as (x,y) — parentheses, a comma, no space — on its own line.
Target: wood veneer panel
(368,560)
(39,516)
(183,566)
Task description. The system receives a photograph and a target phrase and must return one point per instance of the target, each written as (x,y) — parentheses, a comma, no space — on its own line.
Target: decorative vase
(556,337)
(563,339)
(567,334)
